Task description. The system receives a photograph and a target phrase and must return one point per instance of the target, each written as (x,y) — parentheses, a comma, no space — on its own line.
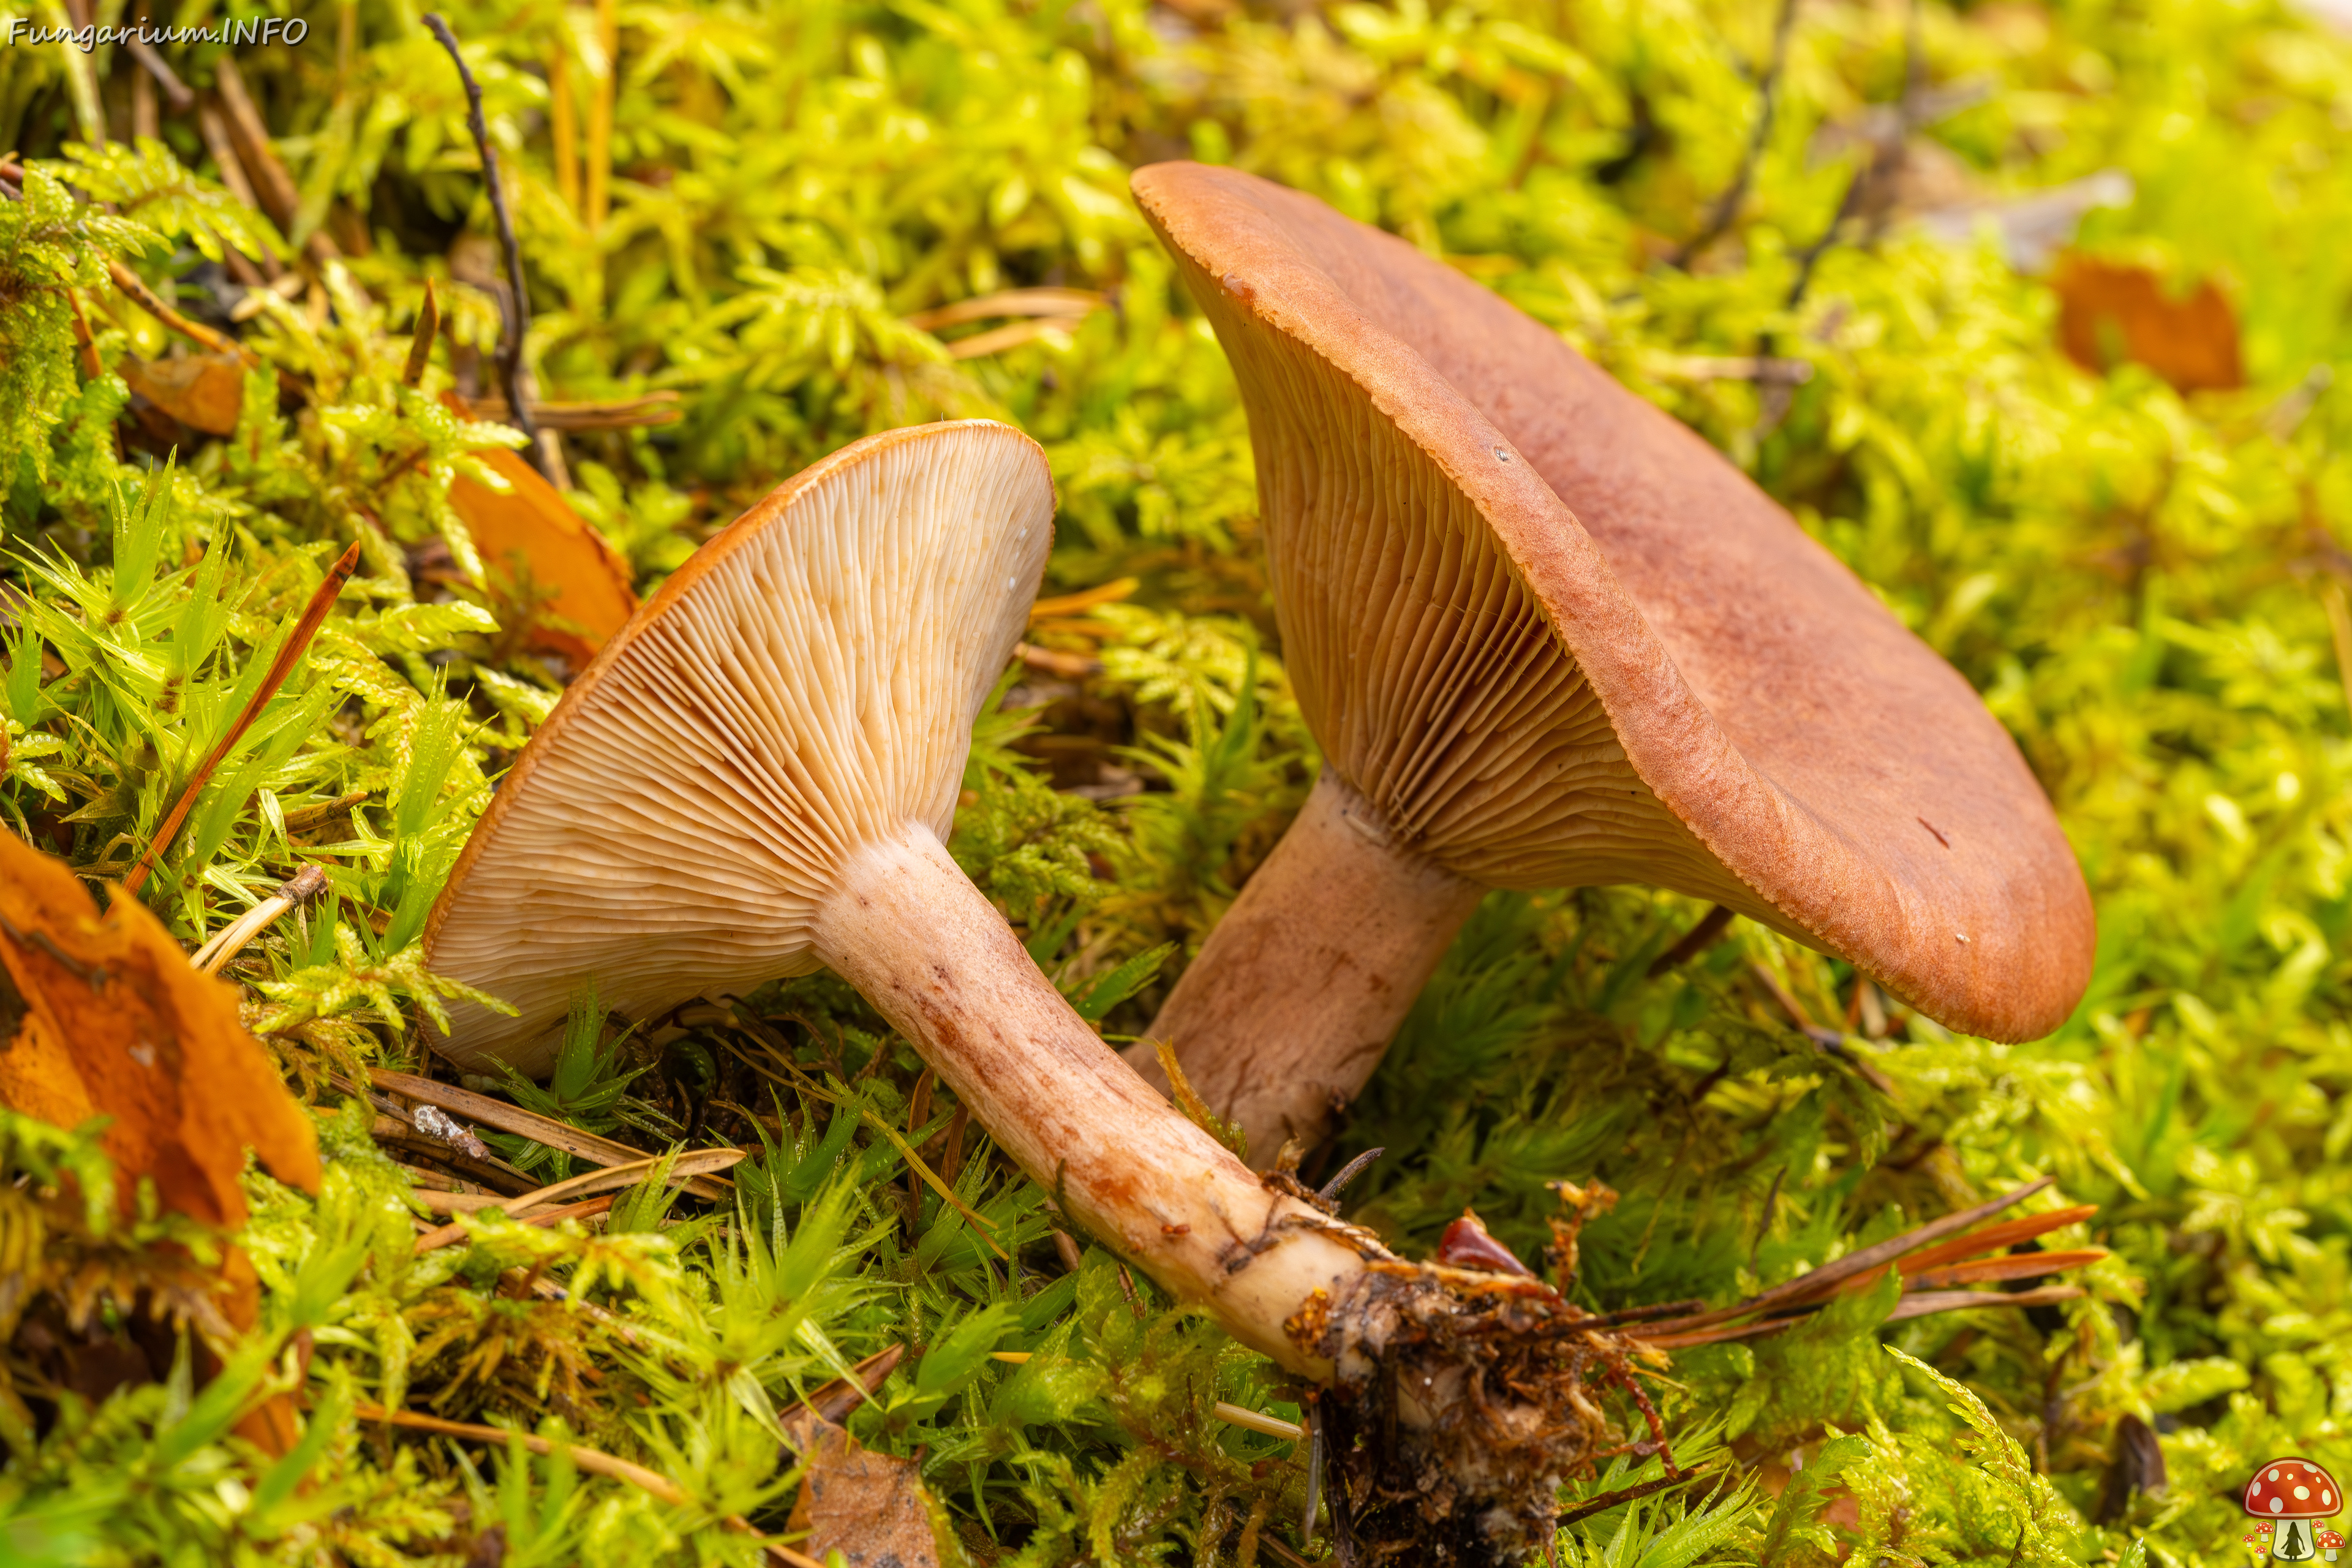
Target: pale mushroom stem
(909,930)
(1317,963)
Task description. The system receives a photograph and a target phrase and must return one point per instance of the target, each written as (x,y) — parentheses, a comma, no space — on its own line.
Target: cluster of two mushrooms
(1545,637)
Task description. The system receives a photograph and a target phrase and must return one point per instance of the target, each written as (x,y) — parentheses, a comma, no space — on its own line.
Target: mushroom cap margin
(1759,688)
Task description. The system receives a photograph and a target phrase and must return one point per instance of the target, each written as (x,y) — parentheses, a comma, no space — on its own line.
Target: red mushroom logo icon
(2330,1543)
(2292,1493)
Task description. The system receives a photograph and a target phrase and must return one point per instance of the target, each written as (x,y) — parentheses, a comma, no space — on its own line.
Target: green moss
(2136,580)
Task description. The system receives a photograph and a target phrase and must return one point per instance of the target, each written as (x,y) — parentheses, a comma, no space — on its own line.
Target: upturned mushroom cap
(801,685)
(1557,640)
(2293,1489)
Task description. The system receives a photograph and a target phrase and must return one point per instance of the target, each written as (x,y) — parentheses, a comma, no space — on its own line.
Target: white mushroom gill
(758,776)
(1462,750)
(806,685)
(1435,683)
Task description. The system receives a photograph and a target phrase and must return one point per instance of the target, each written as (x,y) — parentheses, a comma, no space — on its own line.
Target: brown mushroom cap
(803,685)
(1557,639)
(2293,1489)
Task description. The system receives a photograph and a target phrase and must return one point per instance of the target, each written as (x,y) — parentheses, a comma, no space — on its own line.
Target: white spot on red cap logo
(2293,1492)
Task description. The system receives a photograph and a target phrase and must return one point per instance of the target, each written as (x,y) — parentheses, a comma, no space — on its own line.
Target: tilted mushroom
(1547,636)
(754,778)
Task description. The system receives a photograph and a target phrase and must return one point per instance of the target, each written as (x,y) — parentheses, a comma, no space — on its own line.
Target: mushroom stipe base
(1464,1402)
(1463,1398)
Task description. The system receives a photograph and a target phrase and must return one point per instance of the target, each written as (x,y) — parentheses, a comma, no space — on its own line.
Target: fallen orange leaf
(533,521)
(202,391)
(116,1022)
(869,1506)
(2111,310)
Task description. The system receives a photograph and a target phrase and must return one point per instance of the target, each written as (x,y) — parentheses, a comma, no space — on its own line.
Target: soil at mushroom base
(756,777)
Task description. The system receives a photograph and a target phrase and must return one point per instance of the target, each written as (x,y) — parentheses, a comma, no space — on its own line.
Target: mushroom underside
(1436,684)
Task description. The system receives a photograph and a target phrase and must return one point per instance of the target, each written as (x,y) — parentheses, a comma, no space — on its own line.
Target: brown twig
(175,91)
(272,184)
(1607,1500)
(297,643)
(229,940)
(493,1173)
(693,1162)
(1641,1314)
(434,1240)
(233,177)
(303,817)
(1047,661)
(1822,1282)
(595,1461)
(620,414)
(147,300)
(528,1125)
(832,1404)
(85,341)
(518,301)
(420,341)
(1067,302)
(600,116)
(1695,941)
(1726,205)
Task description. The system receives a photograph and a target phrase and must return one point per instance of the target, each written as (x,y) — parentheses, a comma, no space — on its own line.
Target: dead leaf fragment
(202,391)
(116,1022)
(533,521)
(869,1506)
(2110,312)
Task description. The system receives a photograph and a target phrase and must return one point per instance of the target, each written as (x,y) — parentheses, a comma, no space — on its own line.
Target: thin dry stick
(232,173)
(619,413)
(143,120)
(230,939)
(1695,941)
(447,1234)
(1607,1500)
(147,300)
(1818,1281)
(697,1162)
(1726,205)
(563,119)
(175,91)
(518,301)
(275,186)
(420,343)
(530,1124)
(595,1461)
(1259,1421)
(599,115)
(297,643)
(2007,1233)
(85,342)
(831,1403)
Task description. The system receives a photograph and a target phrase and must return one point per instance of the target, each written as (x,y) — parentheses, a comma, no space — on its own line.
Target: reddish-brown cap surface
(1557,639)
